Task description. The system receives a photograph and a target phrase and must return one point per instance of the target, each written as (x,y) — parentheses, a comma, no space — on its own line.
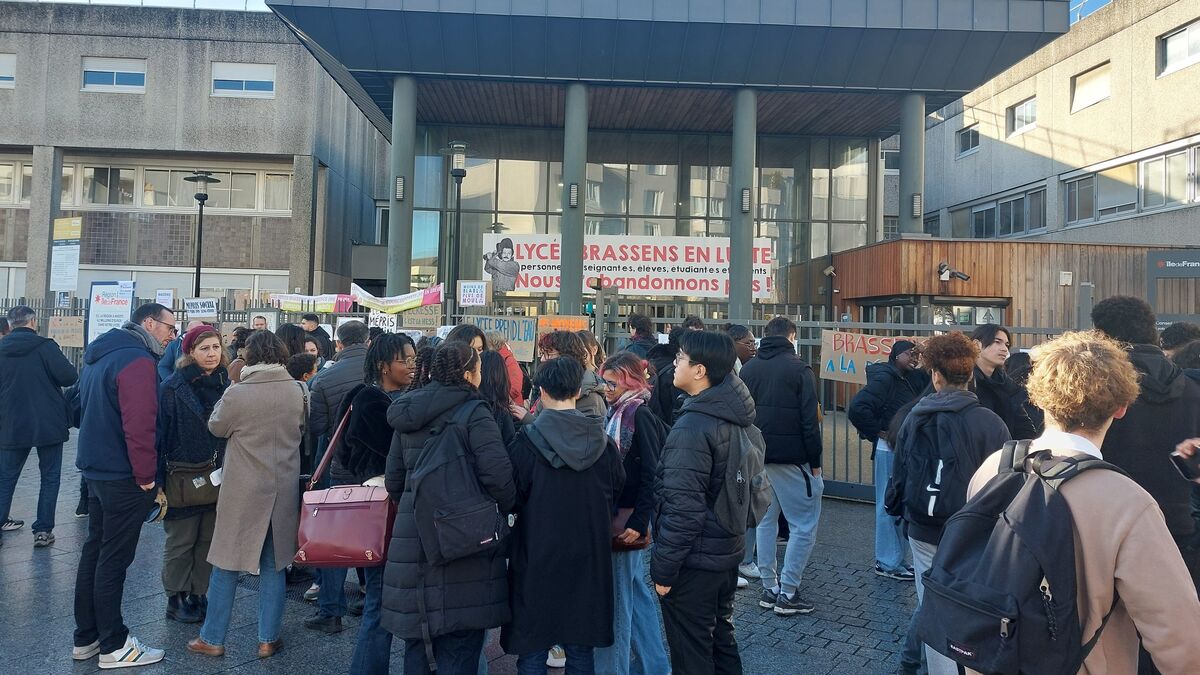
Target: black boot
(179,610)
(199,603)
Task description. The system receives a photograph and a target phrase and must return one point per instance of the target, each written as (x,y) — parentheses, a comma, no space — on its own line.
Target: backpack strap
(1090,644)
(1013,455)
(1066,468)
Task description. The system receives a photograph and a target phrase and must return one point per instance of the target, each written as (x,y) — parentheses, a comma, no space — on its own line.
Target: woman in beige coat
(258,513)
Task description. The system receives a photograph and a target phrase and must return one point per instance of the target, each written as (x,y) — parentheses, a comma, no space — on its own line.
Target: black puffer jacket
(888,390)
(330,387)
(641,345)
(691,471)
(466,594)
(1004,397)
(33,371)
(785,396)
(665,399)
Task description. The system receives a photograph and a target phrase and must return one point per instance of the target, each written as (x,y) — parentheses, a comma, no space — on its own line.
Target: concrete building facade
(1093,138)
(103,111)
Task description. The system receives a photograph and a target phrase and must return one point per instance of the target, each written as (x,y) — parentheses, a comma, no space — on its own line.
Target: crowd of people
(602,470)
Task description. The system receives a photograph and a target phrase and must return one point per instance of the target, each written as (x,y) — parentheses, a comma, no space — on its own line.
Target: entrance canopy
(821,66)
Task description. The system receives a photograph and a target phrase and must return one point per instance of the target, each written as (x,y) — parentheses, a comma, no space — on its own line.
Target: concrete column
(741,226)
(304,224)
(43,209)
(912,160)
(570,295)
(403,163)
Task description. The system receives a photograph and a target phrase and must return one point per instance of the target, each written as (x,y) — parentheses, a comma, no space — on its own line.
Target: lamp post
(202,179)
(457,151)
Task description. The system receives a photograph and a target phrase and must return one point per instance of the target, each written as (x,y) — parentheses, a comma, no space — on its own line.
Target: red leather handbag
(345,525)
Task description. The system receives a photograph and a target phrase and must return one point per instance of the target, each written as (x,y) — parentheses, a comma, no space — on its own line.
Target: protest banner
(520,331)
(110,306)
(200,308)
(67,331)
(684,266)
(573,324)
(324,304)
(845,356)
(397,303)
(474,293)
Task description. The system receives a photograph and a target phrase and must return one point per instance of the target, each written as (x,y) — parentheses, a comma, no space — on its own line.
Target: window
(1165,181)
(1035,215)
(102,185)
(243,80)
(1179,49)
(8,71)
(277,192)
(968,140)
(8,181)
(656,169)
(116,75)
(1117,190)
(67,196)
(1091,87)
(1011,217)
(26,183)
(1081,199)
(1022,117)
(891,227)
(891,162)
(983,222)
(933,226)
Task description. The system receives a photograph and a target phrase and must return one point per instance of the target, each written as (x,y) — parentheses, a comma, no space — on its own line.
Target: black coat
(888,390)
(691,472)
(665,399)
(466,594)
(330,387)
(1166,412)
(785,398)
(641,465)
(181,430)
(363,450)
(641,345)
(560,571)
(1004,397)
(33,371)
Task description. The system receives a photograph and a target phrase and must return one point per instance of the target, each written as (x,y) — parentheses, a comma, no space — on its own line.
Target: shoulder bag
(344,525)
(190,483)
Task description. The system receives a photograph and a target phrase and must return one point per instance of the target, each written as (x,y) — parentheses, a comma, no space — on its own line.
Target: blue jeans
(373,651)
(272,585)
(50,467)
(637,638)
(798,495)
(331,599)
(889,538)
(751,541)
(922,557)
(579,662)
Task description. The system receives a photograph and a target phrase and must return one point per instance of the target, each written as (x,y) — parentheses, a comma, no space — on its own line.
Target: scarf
(142,334)
(621,418)
(208,388)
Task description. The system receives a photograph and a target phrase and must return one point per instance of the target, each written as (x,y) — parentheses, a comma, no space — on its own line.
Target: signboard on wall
(64,257)
(680,266)
(845,356)
(520,331)
(110,305)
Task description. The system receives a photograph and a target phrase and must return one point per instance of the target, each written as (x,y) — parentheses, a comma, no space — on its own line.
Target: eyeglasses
(681,357)
(746,342)
(611,384)
(411,361)
(174,330)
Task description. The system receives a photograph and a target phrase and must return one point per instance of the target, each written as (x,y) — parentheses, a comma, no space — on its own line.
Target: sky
(1081,8)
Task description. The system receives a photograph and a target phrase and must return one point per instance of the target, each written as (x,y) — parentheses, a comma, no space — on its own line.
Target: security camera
(945,273)
(960,276)
(828,271)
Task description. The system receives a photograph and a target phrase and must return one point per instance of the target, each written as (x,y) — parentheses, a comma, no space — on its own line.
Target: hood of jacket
(1161,381)
(591,384)
(265,372)
(953,400)
(114,340)
(568,438)
(729,401)
(21,342)
(416,410)
(999,382)
(883,371)
(771,347)
(661,356)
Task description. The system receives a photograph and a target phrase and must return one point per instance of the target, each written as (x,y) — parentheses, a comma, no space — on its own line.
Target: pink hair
(629,371)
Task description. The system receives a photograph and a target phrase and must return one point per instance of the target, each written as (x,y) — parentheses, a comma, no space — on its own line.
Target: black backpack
(930,483)
(1000,597)
(456,517)
(746,493)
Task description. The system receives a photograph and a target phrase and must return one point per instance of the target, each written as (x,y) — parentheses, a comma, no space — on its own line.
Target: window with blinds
(243,80)
(8,71)
(115,75)
(1090,87)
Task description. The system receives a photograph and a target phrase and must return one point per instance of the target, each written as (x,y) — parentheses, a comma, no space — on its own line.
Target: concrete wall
(1143,111)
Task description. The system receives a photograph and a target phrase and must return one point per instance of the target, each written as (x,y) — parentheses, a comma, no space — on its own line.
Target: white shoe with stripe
(86,652)
(134,653)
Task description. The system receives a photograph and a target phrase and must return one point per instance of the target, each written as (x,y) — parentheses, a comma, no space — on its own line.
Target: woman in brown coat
(258,513)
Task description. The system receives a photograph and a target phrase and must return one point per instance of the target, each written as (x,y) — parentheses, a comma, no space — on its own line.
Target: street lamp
(202,180)
(457,151)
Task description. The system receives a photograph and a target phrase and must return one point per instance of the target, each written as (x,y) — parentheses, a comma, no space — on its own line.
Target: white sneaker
(85,653)
(742,583)
(557,658)
(134,653)
(749,570)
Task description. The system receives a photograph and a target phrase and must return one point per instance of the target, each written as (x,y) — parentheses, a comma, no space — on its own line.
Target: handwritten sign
(425,318)
(200,308)
(845,356)
(571,324)
(474,293)
(390,323)
(67,331)
(520,331)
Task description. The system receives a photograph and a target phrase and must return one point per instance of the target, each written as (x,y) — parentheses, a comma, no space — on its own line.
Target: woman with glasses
(562,343)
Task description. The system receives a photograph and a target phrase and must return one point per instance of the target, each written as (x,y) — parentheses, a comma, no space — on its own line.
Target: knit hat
(189,338)
(899,347)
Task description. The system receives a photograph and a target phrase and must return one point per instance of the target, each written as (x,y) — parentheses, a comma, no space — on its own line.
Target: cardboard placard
(425,318)
(845,356)
(521,332)
(67,331)
(573,324)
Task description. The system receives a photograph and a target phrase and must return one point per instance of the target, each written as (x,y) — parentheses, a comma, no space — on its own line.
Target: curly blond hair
(1082,379)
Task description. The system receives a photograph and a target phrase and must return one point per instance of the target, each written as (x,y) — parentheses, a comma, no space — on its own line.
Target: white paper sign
(165,297)
(109,306)
(200,308)
(64,256)
(472,293)
(390,323)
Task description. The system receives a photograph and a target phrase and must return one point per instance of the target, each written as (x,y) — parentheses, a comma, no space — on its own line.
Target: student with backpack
(695,556)
(1082,553)
(450,474)
(943,440)
(567,474)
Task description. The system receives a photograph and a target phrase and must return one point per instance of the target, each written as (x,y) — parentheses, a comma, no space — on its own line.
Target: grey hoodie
(568,438)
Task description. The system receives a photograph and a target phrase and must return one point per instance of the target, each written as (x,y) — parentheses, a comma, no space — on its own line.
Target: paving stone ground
(856,628)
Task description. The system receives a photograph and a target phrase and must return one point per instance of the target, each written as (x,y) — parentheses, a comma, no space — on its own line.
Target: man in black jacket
(33,413)
(890,386)
(1166,412)
(785,396)
(694,561)
(311,323)
(991,383)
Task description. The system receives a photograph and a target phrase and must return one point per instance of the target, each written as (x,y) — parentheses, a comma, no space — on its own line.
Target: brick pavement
(856,628)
